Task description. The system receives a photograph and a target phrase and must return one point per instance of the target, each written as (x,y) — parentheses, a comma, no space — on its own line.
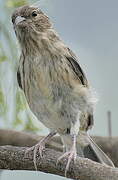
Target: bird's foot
(37,148)
(71,155)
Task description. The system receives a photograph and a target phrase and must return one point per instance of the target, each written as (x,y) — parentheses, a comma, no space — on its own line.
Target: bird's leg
(39,147)
(71,155)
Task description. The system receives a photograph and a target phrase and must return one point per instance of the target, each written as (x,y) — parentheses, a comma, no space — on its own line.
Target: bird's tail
(93,152)
(87,148)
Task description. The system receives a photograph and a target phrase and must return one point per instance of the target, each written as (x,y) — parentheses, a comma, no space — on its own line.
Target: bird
(55,87)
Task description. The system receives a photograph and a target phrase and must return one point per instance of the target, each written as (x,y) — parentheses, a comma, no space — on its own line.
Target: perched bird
(55,86)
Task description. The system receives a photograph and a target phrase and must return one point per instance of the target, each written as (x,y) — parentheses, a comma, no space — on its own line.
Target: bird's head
(28,19)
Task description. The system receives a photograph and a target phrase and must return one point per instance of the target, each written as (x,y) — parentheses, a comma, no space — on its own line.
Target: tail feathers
(93,152)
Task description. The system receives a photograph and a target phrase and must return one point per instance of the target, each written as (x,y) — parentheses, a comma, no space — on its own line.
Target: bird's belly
(56,107)
(49,109)
(47,98)
(50,114)
(53,102)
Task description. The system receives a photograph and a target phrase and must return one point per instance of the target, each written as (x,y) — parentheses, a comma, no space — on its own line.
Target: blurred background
(90,29)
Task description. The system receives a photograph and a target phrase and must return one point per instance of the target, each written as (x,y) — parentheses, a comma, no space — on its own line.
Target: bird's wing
(73,62)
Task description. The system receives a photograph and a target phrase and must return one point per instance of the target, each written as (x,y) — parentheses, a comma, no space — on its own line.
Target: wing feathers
(73,62)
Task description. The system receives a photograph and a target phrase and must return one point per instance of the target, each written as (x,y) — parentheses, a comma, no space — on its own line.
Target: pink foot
(71,155)
(37,148)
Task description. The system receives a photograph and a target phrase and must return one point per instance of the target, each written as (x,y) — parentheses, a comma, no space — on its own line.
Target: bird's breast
(45,91)
(50,91)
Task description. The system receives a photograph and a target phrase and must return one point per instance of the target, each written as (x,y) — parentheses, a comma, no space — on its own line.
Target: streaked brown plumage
(54,84)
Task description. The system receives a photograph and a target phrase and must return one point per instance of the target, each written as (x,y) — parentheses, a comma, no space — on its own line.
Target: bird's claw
(37,148)
(71,155)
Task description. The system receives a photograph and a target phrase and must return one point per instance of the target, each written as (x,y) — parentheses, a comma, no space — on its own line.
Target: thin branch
(13,158)
(23,139)
(84,169)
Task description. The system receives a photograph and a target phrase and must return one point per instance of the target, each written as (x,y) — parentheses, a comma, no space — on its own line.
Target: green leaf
(17,122)
(30,126)
(21,103)
(3,58)
(14,3)
(3,105)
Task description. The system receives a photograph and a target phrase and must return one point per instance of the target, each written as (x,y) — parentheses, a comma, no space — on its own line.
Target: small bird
(55,86)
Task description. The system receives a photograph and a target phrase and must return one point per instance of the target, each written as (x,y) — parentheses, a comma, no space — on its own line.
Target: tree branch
(13,158)
(23,139)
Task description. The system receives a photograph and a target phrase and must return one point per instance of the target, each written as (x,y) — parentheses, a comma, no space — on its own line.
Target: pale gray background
(90,28)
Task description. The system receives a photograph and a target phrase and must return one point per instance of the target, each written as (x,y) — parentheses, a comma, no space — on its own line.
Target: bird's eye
(34,13)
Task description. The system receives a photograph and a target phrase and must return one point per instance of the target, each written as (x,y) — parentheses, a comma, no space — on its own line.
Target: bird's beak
(19,19)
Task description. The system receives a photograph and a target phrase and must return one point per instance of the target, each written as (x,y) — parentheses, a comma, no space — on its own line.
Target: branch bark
(23,139)
(13,158)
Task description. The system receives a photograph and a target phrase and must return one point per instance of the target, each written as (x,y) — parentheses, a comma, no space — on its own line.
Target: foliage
(14,3)
(11,95)
(21,101)
(2,58)
(3,106)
